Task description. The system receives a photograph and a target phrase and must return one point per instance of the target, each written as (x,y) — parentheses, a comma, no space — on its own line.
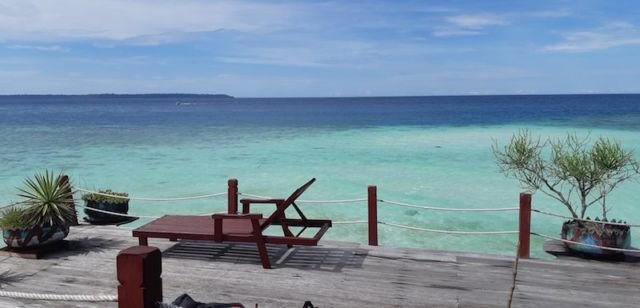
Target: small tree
(572,170)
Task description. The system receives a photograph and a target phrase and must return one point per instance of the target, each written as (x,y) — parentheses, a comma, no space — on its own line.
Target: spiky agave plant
(12,218)
(47,201)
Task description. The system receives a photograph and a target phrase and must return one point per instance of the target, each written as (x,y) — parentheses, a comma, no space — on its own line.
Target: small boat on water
(179,103)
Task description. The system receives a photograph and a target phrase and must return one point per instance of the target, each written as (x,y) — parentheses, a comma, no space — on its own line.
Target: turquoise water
(437,165)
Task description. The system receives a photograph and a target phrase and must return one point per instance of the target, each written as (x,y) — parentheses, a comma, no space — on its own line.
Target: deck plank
(334,274)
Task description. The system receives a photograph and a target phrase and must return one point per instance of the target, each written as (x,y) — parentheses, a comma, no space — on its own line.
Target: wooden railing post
(232,196)
(372,196)
(63,181)
(524,226)
(139,269)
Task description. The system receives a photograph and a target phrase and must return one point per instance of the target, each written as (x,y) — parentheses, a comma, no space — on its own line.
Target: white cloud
(476,21)
(57,20)
(334,53)
(468,24)
(452,31)
(13,74)
(55,48)
(556,13)
(609,36)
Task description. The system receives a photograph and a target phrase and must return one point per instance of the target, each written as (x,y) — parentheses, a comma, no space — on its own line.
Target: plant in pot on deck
(579,174)
(43,217)
(106,201)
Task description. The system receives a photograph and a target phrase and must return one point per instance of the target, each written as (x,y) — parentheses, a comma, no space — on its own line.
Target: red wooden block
(139,270)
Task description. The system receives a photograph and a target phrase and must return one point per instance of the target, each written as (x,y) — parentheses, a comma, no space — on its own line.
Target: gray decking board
(334,274)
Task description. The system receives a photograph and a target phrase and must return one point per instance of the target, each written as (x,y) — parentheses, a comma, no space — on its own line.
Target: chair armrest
(237,216)
(246,203)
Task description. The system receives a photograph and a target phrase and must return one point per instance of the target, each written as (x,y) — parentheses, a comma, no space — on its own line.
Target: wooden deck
(334,274)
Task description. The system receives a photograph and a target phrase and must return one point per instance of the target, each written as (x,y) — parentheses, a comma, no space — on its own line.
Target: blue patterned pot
(596,234)
(36,236)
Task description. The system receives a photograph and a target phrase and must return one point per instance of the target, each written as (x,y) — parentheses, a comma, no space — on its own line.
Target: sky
(319,48)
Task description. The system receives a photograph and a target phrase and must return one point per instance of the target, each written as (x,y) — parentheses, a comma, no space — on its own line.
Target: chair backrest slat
(279,212)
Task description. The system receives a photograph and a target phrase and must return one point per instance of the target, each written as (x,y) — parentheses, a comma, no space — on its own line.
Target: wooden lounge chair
(245,227)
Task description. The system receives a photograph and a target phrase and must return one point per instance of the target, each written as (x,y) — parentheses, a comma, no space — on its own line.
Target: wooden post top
(138,250)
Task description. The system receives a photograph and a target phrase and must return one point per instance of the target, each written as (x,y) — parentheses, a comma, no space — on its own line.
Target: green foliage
(572,170)
(107,196)
(46,201)
(13,218)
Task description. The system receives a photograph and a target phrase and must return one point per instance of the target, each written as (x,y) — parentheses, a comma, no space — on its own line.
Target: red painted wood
(64,181)
(372,195)
(139,269)
(524,229)
(262,246)
(237,227)
(232,196)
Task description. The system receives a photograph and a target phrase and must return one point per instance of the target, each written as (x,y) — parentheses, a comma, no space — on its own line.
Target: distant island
(113,95)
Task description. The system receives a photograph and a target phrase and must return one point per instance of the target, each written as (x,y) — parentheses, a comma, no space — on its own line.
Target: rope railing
(308,201)
(152,199)
(139,216)
(115,213)
(201,214)
(447,231)
(585,244)
(580,219)
(334,201)
(60,297)
(347,222)
(426,207)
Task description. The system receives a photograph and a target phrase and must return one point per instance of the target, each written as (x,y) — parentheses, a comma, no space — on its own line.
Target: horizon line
(346,96)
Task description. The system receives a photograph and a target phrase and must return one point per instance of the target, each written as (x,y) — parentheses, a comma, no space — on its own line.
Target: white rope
(333,201)
(349,222)
(449,209)
(254,196)
(60,297)
(448,231)
(309,201)
(152,199)
(579,219)
(585,244)
(131,216)
(114,213)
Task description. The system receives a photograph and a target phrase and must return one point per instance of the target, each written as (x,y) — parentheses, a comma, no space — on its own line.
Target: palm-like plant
(48,202)
(12,218)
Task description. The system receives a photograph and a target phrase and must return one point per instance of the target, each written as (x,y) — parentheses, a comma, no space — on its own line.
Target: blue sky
(319,48)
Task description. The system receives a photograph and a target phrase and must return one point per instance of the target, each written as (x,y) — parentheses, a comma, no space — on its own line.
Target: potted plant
(107,201)
(43,217)
(579,174)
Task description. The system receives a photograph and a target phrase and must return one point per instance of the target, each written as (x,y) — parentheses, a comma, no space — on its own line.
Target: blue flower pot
(594,233)
(100,217)
(33,237)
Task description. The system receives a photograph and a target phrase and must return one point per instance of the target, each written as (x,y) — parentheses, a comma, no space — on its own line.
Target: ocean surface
(421,150)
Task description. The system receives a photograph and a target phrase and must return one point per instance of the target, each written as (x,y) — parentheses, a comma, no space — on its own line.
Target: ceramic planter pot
(99,217)
(33,237)
(598,234)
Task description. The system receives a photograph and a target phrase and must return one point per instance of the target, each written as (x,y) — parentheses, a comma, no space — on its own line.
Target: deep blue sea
(421,150)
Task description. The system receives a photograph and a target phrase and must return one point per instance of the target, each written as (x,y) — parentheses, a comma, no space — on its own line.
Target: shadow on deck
(300,257)
(8,278)
(86,245)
